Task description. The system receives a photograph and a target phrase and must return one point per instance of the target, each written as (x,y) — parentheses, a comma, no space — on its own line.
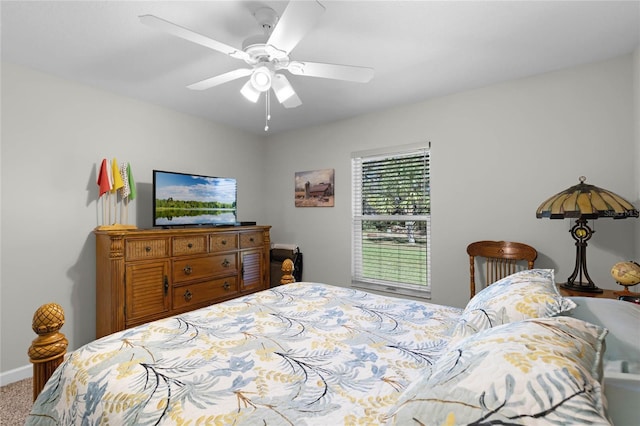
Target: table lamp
(582,202)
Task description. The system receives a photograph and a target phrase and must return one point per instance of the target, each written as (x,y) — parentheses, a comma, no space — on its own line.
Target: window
(391,220)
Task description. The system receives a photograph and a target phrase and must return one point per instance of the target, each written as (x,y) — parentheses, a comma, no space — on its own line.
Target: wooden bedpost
(287,272)
(47,350)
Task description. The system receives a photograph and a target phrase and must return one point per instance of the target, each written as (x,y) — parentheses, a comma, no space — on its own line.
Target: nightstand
(606,294)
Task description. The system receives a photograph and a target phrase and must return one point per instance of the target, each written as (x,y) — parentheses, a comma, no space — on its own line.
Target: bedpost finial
(50,343)
(47,350)
(48,318)
(287,272)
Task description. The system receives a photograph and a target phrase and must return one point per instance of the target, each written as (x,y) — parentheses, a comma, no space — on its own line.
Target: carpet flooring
(16,400)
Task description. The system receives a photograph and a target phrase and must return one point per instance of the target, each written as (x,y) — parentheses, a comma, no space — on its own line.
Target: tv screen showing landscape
(182,199)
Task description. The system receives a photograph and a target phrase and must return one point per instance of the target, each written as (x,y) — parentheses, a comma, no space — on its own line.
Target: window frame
(358,217)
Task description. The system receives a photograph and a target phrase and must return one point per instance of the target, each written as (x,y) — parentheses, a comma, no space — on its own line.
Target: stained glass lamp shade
(582,202)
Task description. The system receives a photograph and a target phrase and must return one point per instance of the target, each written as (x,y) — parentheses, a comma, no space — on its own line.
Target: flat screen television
(183,199)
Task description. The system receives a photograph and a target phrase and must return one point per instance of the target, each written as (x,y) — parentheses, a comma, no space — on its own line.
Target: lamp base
(586,288)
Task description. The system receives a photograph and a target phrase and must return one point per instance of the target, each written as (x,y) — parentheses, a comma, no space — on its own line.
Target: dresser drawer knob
(147,249)
(187,270)
(187,295)
(190,245)
(251,239)
(226,285)
(226,263)
(224,242)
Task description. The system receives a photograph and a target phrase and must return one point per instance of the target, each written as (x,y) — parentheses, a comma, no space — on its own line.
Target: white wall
(54,133)
(497,153)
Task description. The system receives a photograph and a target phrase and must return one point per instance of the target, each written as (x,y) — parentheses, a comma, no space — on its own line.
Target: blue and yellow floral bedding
(314,354)
(304,353)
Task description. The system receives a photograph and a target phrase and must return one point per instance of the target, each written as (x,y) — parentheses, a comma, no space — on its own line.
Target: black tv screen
(183,199)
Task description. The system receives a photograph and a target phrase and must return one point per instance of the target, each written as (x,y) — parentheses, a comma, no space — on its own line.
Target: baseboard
(15,375)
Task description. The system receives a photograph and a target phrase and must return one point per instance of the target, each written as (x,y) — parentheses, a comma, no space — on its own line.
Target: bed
(317,354)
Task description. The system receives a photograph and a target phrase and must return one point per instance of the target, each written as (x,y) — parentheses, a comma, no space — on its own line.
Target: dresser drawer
(201,293)
(195,244)
(151,248)
(223,242)
(250,239)
(203,267)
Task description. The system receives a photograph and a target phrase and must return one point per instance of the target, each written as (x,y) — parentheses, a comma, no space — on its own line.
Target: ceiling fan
(267,54)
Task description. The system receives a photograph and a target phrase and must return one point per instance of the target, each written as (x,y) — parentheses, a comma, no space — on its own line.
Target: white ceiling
(419,49)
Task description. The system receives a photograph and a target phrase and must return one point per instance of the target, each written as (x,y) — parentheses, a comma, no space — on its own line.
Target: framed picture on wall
(314,188)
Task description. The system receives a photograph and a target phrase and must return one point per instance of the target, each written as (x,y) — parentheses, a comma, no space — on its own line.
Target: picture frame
(315,188)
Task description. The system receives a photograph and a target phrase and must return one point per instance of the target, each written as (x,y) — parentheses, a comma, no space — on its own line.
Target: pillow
(531,293)
(536,371)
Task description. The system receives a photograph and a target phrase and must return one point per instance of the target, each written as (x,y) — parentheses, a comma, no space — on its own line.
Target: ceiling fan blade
(333,71)
(284,92)
(296,20)
(220,79)
(186,34)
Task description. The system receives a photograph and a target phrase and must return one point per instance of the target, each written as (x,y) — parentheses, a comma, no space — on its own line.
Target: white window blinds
(391,220)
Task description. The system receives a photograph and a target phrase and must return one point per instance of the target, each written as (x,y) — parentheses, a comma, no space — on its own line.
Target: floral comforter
(298,354)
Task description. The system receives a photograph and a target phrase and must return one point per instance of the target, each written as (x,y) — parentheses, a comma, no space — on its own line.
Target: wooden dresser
(145,275)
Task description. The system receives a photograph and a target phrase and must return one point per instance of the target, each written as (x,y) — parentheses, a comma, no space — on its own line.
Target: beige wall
(497,153)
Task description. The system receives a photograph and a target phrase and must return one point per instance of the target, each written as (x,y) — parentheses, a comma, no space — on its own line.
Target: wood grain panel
(147,290)
(195,244)
(147,249)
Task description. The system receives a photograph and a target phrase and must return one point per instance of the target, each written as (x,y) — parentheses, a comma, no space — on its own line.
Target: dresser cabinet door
(251,270)
(146,291)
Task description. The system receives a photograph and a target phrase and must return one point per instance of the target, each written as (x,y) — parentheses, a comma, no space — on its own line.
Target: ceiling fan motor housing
(256,46)
(259,51)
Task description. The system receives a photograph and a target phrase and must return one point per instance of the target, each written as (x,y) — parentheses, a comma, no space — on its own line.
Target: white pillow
(536,371)
(531,293)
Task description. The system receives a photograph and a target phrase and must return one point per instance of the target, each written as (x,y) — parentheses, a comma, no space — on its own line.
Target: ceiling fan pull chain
(267,112)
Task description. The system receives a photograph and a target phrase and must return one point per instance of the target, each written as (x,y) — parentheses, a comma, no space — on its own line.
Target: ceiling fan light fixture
(261,78)
(282,88)
(249,92)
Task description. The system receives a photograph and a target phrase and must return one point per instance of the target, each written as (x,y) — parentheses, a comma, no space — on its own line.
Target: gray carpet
(16,400)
